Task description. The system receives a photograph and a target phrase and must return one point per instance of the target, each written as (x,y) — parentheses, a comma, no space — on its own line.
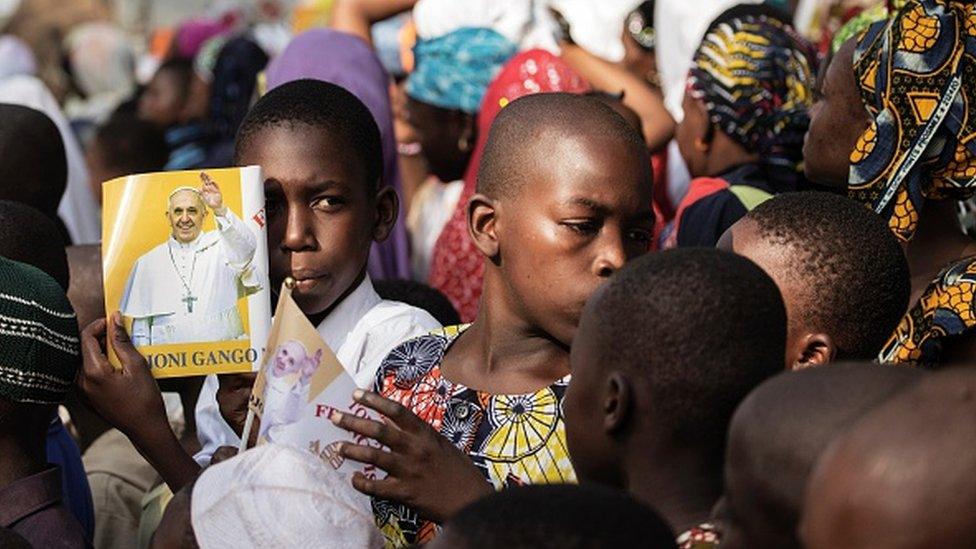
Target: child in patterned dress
(564,200)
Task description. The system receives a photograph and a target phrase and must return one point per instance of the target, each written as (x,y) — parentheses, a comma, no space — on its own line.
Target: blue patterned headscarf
(453,71)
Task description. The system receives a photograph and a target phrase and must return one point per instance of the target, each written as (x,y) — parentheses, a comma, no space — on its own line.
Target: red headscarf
(457,266)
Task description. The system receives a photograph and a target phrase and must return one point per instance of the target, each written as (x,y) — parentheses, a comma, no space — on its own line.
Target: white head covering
(278,496)
(103,64)
(597,27)
(526,23)
(16,57)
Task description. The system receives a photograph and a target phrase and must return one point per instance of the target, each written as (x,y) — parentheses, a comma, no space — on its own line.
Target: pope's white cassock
(186,293)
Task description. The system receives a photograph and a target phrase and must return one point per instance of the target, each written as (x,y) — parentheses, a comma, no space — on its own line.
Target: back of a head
(29,236)
(328,107)
(700,328)
(527,129)
(129,145)
(901,476)
(855,273)
(556,516)
(778,433)
(33,165)
(419,295)
(39,347)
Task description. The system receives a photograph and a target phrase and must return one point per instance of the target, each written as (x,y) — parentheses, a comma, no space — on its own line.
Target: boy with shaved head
(564,201)
(776,436)
(902,477)
(664,353)
(843,276)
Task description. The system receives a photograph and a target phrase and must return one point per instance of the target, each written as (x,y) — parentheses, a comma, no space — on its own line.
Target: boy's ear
(387,210)
(617,401)
(483,225)
(812,350)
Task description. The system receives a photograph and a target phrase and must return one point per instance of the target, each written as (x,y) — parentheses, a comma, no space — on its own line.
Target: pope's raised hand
(211,195)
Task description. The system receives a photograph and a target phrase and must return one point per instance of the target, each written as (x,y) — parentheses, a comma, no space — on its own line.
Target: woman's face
(447,138)
(837,120)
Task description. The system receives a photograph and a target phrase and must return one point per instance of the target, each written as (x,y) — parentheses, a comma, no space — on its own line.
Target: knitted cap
(39,344)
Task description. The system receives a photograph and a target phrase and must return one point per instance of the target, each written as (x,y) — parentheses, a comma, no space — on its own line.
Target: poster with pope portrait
(185,258)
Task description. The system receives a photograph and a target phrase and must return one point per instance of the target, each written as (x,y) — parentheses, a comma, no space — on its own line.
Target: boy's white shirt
(362,330)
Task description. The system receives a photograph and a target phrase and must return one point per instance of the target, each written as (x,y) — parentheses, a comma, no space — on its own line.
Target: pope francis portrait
(185,290)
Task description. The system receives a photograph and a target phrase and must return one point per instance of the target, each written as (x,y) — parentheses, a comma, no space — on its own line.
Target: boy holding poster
(319,151)
(321,156)
(563,202)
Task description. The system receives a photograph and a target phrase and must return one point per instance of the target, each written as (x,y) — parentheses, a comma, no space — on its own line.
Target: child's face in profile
(319,212)
(583,211)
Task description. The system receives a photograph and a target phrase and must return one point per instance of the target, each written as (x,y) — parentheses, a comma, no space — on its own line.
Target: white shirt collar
(337,326)
(191,245)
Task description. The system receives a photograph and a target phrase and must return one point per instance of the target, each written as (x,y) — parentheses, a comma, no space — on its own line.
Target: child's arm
(425,471)
(129,400)
(357,16)
(648,103)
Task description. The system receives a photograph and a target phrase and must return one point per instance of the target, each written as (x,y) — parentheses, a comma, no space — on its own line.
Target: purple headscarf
(347,61)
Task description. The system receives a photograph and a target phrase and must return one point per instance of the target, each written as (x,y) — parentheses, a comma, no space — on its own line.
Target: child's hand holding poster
(300,385)
(185,261)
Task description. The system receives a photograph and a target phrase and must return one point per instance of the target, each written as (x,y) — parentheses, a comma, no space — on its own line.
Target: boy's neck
(317,318)
(681,488)
(502,354)
(17,461)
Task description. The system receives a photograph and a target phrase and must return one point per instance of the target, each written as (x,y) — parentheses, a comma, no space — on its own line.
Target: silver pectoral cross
(189,299)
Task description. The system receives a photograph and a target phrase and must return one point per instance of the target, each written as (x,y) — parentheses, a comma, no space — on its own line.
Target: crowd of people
(617,273)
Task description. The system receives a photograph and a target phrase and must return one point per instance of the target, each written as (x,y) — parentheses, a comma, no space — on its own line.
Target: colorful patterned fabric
(39,346)
(946,308)
(512,439)
(917,78)
(703,536)
(457,266)
(453,71)
(755,75)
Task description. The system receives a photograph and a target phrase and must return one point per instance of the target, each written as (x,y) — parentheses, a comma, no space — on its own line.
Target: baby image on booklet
(288,379)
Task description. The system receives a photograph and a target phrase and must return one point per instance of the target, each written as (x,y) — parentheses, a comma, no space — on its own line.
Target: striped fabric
(39,343)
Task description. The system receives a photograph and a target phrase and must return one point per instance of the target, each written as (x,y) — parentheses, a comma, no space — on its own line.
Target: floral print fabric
(512,439)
